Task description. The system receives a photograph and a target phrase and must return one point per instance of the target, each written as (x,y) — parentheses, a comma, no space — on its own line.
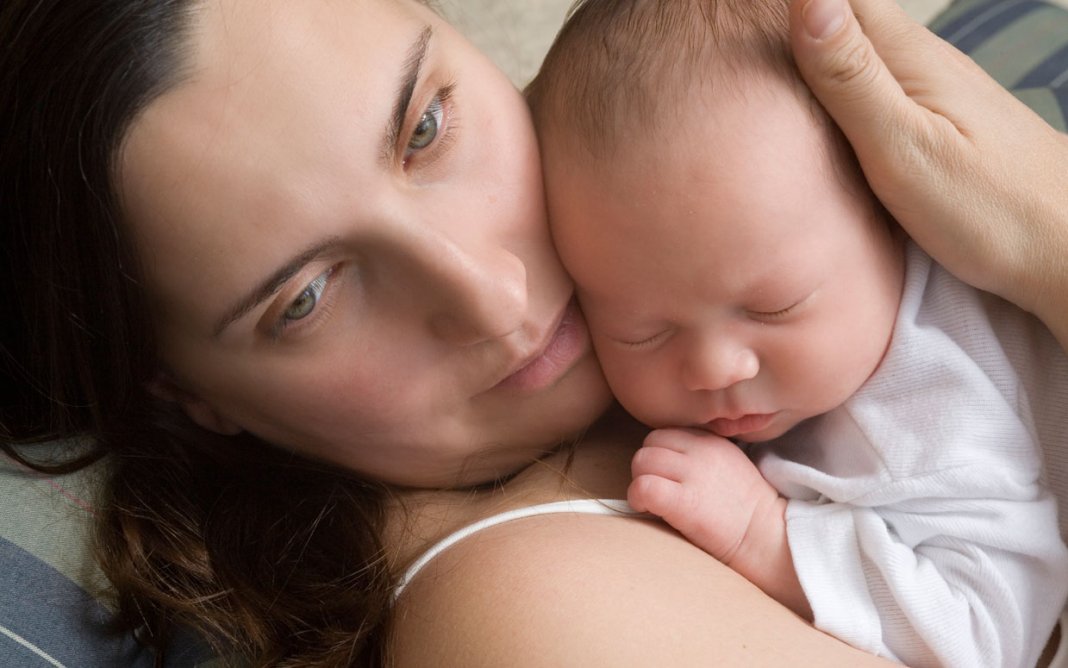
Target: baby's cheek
(616,368)
(641,388)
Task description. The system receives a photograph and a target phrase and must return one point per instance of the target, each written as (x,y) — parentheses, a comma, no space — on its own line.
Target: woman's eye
(434,130)
(426,130)
(307,300)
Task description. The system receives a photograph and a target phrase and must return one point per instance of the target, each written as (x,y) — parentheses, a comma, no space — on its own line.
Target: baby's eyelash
(647,341)
(781,313)
(774,314)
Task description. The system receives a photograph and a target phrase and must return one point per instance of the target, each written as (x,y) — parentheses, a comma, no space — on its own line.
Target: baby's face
(733,279)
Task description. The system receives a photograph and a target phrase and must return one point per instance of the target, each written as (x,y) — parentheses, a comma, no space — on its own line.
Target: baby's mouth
(740,426)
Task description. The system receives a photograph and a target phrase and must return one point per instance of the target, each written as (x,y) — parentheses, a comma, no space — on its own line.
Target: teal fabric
(51,610)
(1021,43)
(42,606)
(49,615)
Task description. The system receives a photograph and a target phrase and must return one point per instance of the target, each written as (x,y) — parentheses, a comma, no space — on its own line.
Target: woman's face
(341,219)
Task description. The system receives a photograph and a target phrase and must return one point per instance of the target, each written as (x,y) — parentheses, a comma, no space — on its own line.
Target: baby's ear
(198,410)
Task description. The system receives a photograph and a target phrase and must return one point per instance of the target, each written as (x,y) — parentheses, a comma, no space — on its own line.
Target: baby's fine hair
(623,65)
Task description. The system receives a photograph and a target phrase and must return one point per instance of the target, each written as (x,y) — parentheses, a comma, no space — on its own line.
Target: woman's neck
(597,466)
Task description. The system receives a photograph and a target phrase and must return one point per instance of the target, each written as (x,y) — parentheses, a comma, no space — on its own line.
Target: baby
(741,282)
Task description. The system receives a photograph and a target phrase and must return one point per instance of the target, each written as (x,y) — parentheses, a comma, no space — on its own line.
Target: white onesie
(918,522)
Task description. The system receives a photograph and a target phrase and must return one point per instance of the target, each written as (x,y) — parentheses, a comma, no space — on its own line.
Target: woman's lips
(568,343)
(746,424)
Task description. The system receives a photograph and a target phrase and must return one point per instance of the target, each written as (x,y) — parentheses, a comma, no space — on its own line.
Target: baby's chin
(762,436)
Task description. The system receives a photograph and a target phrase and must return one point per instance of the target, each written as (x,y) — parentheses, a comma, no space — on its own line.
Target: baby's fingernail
(823,18)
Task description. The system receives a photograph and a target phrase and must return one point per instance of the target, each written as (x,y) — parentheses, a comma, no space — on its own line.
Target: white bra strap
(581,506)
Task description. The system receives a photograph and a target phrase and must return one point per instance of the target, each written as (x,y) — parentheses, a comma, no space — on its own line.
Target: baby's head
(735,270)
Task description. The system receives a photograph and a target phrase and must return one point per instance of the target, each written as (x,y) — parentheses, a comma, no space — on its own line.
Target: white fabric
(918,522)
(581,506)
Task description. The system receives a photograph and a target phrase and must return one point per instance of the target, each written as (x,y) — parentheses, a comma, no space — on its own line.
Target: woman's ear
(199,411)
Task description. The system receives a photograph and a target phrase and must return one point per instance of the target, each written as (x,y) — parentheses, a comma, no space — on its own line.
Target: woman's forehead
(254,85)
(239,36)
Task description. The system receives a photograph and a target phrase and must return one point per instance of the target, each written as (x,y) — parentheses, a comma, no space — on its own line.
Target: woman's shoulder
(595,590)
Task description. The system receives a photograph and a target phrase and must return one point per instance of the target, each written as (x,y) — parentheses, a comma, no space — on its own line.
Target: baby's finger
(680,440)
(662,462)
(654,494)
(702,524)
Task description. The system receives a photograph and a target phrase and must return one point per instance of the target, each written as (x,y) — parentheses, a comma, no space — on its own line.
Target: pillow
(1021,43)
(49,615)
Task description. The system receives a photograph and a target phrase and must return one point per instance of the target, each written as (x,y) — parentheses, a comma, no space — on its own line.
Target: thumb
(843,69)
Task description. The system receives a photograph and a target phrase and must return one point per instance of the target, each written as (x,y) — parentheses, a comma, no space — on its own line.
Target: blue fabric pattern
(47,620)
(984,21)
(1004,35)
(1052,72)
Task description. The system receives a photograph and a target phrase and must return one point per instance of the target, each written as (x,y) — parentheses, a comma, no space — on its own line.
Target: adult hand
(971,173)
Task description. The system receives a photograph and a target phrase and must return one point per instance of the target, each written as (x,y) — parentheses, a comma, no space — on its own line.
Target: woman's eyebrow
(273,283)
(413,65)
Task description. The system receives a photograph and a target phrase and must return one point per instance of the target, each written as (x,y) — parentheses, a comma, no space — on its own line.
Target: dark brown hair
(273,559)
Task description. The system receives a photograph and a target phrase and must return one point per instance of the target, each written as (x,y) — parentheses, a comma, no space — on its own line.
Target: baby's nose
(718,365)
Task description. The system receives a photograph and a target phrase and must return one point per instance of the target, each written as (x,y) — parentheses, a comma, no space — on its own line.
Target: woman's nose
(475,293)
(718,364)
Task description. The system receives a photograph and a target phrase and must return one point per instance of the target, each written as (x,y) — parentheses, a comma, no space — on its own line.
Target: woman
(319,225)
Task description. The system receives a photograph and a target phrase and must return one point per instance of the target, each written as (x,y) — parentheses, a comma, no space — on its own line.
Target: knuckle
(660,438)
(653,438)
(854,66)
(648,461)
(644,492)
(639,463)
(712,455)
(637,495)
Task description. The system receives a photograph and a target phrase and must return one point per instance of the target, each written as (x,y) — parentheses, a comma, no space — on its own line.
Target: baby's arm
(933,580)
(708,490)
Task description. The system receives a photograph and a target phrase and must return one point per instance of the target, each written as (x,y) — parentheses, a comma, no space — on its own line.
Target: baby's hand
(705,487)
